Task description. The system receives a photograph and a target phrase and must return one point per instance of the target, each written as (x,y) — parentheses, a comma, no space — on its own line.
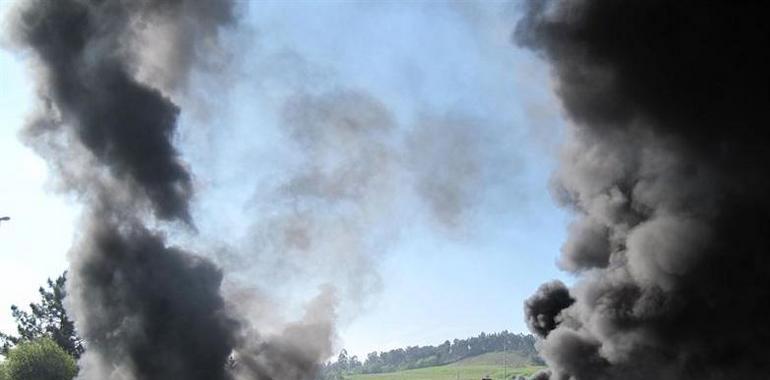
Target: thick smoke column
(666,169)
(147,310)
(85,49)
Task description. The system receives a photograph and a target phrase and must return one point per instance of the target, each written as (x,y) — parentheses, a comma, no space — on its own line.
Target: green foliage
(40,359)
(45,319)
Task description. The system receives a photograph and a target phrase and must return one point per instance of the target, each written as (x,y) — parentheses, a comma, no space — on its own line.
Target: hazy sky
(458,95)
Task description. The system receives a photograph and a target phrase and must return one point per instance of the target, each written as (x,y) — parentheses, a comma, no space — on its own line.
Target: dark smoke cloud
(147,310)
(666,169)
(543,308)
(85,50)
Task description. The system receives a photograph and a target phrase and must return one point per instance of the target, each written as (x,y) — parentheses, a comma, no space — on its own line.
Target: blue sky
(419,61)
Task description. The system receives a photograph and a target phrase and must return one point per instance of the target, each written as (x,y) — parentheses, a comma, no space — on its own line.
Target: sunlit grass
(468,369)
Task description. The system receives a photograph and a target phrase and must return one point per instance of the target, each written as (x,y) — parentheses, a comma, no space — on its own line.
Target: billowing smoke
(89,67)
(295,352)
(665,167)
(110,75)
(147,310)
(544,307)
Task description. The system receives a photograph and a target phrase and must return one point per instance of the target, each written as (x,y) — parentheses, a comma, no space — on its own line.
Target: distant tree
(342,361)
(345,365)
(40,359)
(45,319)
(372,363)
(354,365)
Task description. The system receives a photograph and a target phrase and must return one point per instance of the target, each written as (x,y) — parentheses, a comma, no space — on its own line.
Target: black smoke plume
(85,50)
(666,168)
(147,310)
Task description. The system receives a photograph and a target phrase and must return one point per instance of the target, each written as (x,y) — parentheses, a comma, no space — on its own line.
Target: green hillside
(494,354)
(501,359)
(473,368)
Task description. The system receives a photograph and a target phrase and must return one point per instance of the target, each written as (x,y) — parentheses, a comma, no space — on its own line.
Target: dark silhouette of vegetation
(427,356)
(46,319)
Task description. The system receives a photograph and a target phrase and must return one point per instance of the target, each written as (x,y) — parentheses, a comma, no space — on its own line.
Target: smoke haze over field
(664,166)
(116,81)
(666,169)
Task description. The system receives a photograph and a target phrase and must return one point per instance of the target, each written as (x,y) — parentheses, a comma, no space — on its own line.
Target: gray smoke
(343,191)
(351,186)
(297,350)
(665,167)
(446,157)
(321,224)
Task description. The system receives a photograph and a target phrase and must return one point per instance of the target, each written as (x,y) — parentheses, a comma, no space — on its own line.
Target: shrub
(40,359)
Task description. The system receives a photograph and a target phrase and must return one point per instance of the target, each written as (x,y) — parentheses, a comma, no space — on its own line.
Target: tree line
(46,345)
(427,356)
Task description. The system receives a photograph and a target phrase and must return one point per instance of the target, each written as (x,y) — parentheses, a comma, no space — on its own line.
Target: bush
(41,359)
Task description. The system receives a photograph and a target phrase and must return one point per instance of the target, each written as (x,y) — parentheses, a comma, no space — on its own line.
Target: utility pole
(505,362)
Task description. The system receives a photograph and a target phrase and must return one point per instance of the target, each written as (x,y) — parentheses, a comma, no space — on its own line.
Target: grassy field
(474,368)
